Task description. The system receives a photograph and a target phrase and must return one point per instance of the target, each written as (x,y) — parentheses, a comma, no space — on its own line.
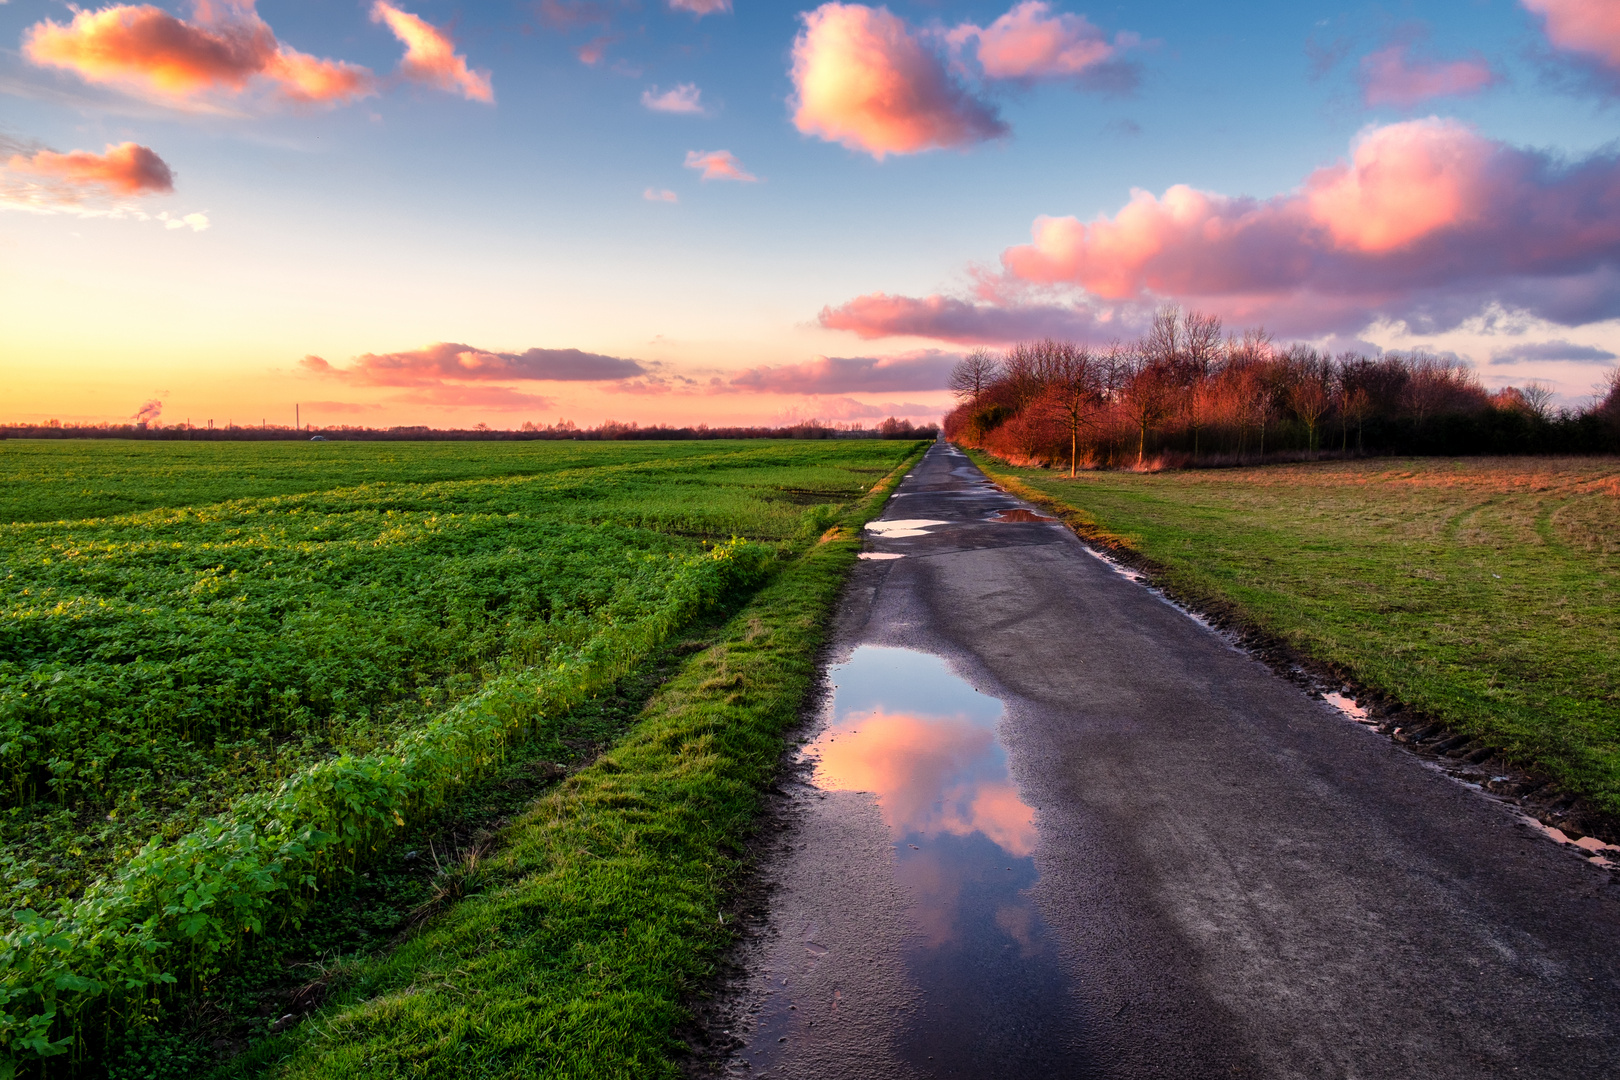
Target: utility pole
(298,424)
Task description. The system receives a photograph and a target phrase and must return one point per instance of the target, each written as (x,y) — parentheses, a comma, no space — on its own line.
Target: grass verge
(1482,593)
(601,906)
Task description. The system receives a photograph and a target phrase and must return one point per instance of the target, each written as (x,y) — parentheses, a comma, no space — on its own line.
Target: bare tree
(1204,399)
(1149,397)
(1202,336)
(1253,347)
(1028,368)
(1259,395)
(1075,394)
(973,373)
(1309,375)
(1606,398)
(1538,399)
(1355,405)
(1435,383)
(1165,342)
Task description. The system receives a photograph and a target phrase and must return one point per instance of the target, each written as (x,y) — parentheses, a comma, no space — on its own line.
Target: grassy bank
(600,907)
(1483,592)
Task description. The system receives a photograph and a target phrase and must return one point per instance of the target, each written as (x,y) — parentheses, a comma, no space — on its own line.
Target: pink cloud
(926,370)
(927,776)
(862,79)
(592,51)
(430,56)
(1589,27)
(226,50)
(1427,204)
(942,318)
(683,98)
(848,408)
(1428,221)
(1389,77)
(701,8)
(463,363)
(475,397)
(124,169)
(718,165)
(660,195)
(1030,43)
(653,385)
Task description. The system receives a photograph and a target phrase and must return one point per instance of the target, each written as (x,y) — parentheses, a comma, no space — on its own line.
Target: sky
(388,212)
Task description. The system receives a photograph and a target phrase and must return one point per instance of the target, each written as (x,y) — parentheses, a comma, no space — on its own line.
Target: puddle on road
(1591,847)
(1019,515)
(1348,706)
(903,527)
(923,743)
(880,556)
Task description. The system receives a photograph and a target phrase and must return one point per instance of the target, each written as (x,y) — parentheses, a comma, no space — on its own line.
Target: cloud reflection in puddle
(923,743)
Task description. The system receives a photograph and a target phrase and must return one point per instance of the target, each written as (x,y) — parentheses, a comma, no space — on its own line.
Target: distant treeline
(891,428)
(1185,395)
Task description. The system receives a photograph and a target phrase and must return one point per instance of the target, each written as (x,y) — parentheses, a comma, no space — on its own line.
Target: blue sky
(420,215)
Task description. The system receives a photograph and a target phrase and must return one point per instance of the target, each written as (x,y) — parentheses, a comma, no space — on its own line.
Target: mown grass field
(209,713)
(1484,591)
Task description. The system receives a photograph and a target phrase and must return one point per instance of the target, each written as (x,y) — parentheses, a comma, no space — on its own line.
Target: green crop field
(214,706)
(56,480)
(1484,592)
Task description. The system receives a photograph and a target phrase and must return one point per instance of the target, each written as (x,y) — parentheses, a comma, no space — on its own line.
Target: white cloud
(196,222)
(683,98)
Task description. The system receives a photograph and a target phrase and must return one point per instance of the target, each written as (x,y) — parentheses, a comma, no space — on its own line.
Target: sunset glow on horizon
(727,212)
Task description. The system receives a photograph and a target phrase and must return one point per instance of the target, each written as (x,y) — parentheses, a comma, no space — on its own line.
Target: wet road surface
(1050,826)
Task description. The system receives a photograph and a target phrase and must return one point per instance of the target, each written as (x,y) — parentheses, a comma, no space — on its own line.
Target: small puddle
(880,556)
(1349,707)
(923,743)
(1117,567)
(1020,515)
(903,527)
(1594,849)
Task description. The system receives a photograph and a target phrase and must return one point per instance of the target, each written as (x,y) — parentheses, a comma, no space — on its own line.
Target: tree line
(1187,394)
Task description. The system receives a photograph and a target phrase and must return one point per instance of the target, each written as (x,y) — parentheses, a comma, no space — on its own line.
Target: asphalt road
(1054,827)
